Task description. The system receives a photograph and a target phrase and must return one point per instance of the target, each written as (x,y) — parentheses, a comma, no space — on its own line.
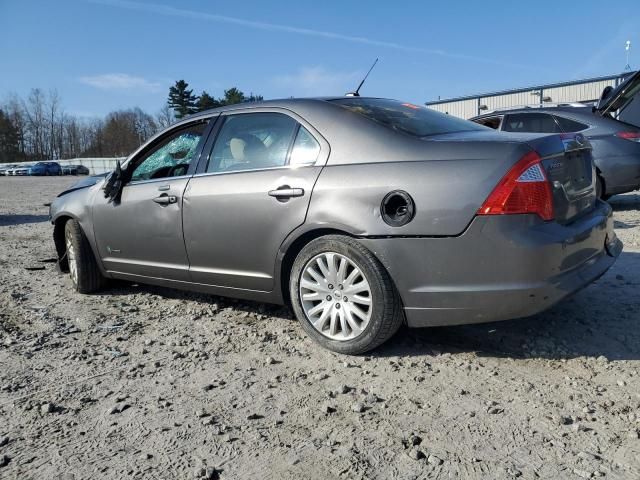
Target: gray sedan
(616,144)
(360,213)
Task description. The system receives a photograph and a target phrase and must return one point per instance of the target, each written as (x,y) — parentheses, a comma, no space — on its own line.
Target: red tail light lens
(524,189)
(632,136)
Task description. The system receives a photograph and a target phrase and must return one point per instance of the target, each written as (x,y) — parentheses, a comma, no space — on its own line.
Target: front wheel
(343,296)
(83,269)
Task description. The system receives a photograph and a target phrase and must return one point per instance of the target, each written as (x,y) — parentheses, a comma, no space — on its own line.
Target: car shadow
(6,220)
(601,320)
(628,201)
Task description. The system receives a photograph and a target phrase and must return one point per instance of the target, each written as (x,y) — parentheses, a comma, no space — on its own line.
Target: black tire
(386,307)
(87,277)
(599,187)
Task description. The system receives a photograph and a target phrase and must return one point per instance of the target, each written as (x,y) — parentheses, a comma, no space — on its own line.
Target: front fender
(75,205)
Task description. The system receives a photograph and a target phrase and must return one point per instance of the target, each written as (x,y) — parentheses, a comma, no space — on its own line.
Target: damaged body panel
(231,201)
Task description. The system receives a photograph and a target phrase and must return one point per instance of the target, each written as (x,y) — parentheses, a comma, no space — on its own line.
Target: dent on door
(234,224)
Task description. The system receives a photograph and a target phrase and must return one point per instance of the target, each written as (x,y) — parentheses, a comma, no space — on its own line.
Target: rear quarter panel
(448,178)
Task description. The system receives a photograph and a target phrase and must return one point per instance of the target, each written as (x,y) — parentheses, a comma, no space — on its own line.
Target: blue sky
(106,54)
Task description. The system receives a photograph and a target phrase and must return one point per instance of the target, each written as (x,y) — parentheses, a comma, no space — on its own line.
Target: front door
(141,234)
(253,190)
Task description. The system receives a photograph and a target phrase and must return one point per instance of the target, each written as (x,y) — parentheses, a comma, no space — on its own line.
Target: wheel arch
(58,239)
(293,248)
(59,222)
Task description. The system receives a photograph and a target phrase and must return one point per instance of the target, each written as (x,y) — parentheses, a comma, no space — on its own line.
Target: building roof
(527,89)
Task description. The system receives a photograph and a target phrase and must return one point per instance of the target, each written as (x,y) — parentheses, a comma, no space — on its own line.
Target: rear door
(248,194)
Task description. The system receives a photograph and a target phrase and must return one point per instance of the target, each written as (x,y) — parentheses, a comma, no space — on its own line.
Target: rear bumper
(501,267)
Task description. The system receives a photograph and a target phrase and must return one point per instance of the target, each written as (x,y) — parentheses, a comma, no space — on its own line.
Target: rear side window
(491,122)
(415,120)
(305,149)
(530,123)
(571,125)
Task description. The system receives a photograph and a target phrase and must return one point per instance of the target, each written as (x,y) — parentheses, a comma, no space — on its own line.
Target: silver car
(360,213)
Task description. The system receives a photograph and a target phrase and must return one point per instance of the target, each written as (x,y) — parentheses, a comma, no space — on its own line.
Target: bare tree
(34,109)
(165,117)
(53,125)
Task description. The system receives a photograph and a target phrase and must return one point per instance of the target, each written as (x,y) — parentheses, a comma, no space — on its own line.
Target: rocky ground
(144,382)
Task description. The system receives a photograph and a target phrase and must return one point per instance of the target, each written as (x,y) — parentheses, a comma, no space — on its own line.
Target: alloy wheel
(336,296)
(71,258)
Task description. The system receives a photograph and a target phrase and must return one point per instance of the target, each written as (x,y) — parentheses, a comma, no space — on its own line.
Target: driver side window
(172,156)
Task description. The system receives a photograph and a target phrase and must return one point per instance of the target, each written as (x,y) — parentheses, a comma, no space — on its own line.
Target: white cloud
(120,81)
(317,81)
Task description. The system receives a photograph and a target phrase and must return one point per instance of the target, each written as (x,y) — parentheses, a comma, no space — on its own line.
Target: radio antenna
(356,93)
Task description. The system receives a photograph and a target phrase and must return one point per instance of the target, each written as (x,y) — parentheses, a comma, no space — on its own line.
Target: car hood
(85,183)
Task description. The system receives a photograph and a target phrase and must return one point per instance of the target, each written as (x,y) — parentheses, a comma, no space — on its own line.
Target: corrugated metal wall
(584,92)
(508,100)
(468,107)
(462,109)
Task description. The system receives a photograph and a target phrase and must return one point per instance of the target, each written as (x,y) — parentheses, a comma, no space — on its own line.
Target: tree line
(38,128)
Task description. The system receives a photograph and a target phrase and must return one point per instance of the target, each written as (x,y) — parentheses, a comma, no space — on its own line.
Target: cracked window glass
(172,157)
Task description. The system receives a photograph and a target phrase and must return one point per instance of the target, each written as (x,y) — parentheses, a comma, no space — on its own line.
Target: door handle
(165,199)
(285,192)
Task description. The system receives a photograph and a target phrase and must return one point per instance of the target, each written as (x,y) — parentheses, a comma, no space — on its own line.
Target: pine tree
(233,96)
(9,140)
(181,99)
(254,98)
(206,101)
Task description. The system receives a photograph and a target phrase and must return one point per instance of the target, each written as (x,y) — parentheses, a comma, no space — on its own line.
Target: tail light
(631,136)
(524,189)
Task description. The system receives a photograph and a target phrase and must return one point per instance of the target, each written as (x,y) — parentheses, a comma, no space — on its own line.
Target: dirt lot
(143,382)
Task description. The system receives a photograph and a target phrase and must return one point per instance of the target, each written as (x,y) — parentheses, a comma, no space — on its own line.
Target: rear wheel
(342,295)
(83,269)
(600,189)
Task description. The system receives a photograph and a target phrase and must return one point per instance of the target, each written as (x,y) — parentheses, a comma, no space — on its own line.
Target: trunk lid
(569,166)
(617,98)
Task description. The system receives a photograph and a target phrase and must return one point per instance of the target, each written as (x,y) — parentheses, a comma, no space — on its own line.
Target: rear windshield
(408,118)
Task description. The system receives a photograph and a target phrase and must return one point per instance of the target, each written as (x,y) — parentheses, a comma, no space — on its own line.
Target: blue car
(45,168)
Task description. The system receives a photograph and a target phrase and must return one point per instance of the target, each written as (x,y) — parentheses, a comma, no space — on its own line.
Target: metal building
(578,91)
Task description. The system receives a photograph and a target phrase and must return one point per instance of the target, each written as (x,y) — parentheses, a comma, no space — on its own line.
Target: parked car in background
(82,170)
(4,169)
(45,168)
(616,144)
(69,169)
(360,213)
(20,170)
(75,170)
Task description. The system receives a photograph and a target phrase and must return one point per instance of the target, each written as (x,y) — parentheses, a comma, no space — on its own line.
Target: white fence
(95,165)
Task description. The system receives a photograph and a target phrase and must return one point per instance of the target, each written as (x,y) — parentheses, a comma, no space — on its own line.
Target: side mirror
(113,187)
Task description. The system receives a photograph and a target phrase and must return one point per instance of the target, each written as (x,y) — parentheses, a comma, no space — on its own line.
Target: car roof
(550,109)
(280,103)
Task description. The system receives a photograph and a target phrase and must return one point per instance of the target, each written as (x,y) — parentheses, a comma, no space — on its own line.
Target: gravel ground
(145,382)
